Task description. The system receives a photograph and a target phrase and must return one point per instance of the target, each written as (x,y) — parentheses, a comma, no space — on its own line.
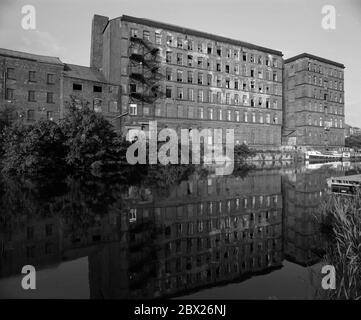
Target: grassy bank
(341,223)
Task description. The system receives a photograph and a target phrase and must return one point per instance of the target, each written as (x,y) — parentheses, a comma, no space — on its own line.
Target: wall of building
(313,104)
(200,103)
(107,101)
(19,81)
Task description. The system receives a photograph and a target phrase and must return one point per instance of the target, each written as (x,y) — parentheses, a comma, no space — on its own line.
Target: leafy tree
(353,142)
(33,149)
(90,139)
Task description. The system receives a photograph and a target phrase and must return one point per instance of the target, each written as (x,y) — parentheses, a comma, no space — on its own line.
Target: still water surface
(254,236)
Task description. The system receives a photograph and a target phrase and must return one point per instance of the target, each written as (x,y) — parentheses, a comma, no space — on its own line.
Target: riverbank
(341,224)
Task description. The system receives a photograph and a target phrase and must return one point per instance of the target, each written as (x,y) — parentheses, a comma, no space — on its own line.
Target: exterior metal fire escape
(144,73)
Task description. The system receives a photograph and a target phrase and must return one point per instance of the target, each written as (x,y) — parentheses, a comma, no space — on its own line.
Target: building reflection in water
(207,231)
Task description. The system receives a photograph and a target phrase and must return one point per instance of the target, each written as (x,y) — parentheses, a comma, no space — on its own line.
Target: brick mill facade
(314,113)
(186,79)
(142,70)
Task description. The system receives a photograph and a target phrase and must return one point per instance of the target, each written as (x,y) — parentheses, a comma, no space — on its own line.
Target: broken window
(168,74)
(252,84)
(200,50)
(236,84)
(252,72)
(190,76)
(227,83)
(219,82)
(236,99)
(252,102)
(179,58)
(259,60)
(218,67)
(200,95)
(209,79)
(168,92)
(179,75)
(244,57)
(274,76)
(180,43)
(236,68)
(209,49)
(260,102)
(267,103)
(251,58)
(227,68)
(200,62)
(219,51)
(168,57)
(228,53)
(260,74)
(180,93)
(169,40)
(200,78)
(190,60)
(190,45)
(134,33)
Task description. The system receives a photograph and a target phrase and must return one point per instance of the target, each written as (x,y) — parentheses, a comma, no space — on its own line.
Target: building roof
(311,56)
(29,56)
(84,73)
(196,33)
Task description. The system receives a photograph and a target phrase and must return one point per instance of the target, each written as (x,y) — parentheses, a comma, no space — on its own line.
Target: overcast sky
(291,26)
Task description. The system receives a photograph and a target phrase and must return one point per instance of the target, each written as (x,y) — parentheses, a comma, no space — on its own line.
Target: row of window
(336,123)
(324,70)
(30,115)
(79,87)
(190,112)
(321,95)
(32,76)
(325,83)
(319,107)
(207,48)
(222,82)
(10,95)
(218,66)
(219,97)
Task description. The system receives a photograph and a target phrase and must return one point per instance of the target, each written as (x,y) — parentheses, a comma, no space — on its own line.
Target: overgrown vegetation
(353,142)
(341,223)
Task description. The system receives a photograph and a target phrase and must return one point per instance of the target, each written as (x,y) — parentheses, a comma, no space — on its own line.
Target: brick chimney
(96,49)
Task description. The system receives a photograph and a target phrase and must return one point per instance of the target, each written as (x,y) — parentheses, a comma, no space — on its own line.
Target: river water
(253,235)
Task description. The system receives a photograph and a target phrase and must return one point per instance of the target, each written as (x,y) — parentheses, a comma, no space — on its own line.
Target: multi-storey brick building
(35,87)
(30,85)
(190,79)
(314,102)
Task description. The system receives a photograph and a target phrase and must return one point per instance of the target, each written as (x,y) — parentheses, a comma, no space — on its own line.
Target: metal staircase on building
(144,73)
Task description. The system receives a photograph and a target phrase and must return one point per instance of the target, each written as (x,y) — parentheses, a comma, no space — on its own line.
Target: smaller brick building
(35,87)
(86,84)
(30,85)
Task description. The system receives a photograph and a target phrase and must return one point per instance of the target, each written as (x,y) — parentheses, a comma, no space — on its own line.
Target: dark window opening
(77,86)
(97,89)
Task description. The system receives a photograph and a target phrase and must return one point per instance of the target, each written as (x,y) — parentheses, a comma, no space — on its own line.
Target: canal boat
(347,185)
(323,156)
